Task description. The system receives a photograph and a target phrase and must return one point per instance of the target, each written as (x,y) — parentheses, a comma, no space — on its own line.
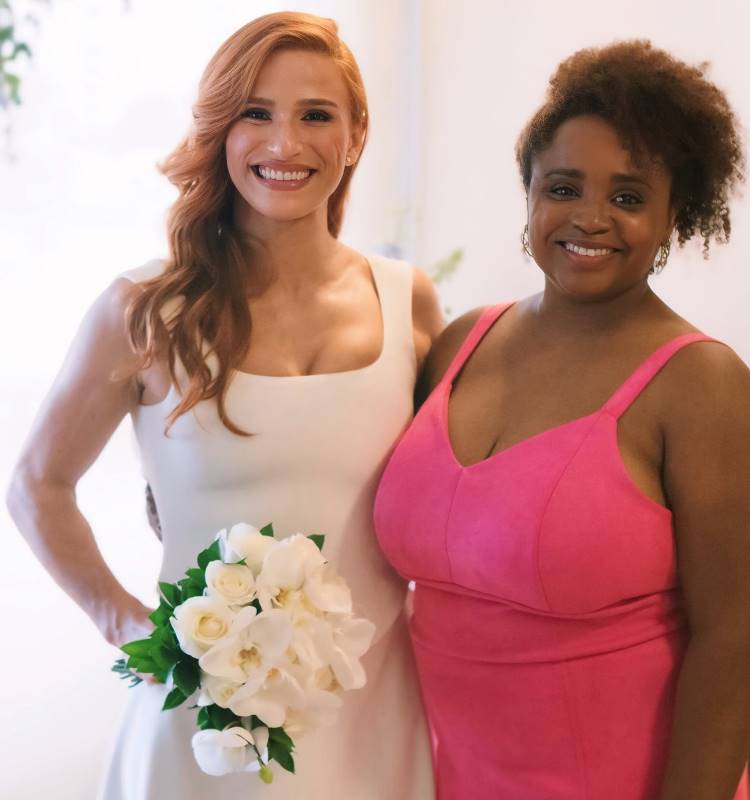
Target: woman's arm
(96,387)
(427,316)
(707,478)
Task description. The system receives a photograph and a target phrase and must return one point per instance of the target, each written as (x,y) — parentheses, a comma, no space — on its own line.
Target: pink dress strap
(475,335)
(621,400)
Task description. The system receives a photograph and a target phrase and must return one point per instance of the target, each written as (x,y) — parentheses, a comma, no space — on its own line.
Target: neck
(553,307)
(293,255)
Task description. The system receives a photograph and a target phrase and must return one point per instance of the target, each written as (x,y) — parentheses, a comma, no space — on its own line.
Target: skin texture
(314,309)
(685,447)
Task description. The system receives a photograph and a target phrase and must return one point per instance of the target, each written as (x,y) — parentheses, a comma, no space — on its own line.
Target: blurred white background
(108,94)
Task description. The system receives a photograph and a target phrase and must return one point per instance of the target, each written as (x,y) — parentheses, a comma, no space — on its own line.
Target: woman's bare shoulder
(444,350)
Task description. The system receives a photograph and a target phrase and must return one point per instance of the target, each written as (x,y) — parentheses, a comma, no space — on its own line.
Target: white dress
(319,445)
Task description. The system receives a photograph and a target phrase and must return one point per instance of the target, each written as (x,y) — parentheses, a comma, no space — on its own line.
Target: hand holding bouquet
(263,631)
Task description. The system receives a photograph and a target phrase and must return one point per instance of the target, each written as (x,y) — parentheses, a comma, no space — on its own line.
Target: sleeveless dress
(548,625)
(313,465)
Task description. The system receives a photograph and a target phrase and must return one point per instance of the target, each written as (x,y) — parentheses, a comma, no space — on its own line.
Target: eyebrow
(311,101)
(618,177)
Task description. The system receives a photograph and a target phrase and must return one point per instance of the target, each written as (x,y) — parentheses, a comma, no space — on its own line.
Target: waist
(478,628)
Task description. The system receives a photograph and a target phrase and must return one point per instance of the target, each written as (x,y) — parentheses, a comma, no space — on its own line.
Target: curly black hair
(662,109)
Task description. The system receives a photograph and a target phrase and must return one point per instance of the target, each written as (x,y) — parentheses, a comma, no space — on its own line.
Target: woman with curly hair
(268,369)
(571,499)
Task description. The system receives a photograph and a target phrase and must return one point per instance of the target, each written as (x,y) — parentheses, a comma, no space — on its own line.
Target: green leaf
(318,538)
(142,664)
(187,675)
(221,717)
(160,616)
(139,647)
(281,755)
(189,588)
(14,82)
(282,737)
(204,720)
(175,698)
(267,530)
(211,553)
(18,48)
(197,575)
(121,669)
(170,593)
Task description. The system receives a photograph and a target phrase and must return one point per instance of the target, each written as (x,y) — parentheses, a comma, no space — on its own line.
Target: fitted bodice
(548,621)
(317,448)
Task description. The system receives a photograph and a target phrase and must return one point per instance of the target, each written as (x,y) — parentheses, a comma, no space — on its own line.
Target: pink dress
(548,624)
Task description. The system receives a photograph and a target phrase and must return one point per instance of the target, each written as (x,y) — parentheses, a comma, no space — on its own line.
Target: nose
(592,215)
(283,142)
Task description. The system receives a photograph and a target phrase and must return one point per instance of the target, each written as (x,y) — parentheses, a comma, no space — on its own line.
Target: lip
(282,166)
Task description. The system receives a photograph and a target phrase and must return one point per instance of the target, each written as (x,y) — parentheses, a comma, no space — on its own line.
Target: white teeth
(588,251)
(276,175)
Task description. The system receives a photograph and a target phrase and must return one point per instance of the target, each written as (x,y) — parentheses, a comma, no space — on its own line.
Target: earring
(525,241)
(662,255)
(348,161)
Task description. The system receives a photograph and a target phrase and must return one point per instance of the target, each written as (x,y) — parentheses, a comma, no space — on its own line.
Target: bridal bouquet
(262,632)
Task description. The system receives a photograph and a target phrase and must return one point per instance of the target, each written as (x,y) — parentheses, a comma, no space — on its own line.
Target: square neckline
(371,262)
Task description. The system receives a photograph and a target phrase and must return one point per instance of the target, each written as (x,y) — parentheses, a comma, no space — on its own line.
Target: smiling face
(287,153)
(596,220)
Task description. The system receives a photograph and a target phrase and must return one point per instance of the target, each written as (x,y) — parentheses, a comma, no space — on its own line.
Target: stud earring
(525,241)
(662,254)
(348,161)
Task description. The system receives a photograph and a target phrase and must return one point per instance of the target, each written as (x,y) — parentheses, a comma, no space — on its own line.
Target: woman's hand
(128,623)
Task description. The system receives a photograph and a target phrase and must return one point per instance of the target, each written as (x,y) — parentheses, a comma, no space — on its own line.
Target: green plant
(11,49)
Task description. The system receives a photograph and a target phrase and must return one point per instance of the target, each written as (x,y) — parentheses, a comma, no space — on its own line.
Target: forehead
(300,73)
(592,146)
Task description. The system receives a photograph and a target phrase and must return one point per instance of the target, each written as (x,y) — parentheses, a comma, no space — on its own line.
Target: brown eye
(256,114)
(563,190)
(627,199)
(317,116)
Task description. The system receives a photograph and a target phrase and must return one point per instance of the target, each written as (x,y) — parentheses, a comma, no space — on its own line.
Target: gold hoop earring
(525,244)
(662,254)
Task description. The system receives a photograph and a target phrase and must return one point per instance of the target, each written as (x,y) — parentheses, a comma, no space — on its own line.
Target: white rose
(233,584)
(230,750)
(201,622)
(244,541)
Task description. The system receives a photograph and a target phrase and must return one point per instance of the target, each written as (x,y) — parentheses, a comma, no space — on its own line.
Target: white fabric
(319,445)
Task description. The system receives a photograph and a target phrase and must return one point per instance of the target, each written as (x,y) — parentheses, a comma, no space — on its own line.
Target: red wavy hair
(207,268)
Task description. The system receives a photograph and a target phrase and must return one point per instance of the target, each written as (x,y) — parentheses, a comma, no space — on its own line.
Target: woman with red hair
(268,369)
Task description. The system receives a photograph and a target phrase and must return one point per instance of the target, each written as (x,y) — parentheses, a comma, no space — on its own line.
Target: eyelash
(633,199)
(261,115)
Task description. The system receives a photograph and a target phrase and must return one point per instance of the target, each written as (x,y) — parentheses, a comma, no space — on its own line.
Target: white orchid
(216,690)
(232,750)
(232,584)
(322,702)
(243,541)
(352,637)
(254,644)
(327,591)
(279,693)
(284,572)
(201,622)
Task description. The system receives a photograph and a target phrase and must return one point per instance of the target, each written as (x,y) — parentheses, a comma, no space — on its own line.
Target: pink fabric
(548,624)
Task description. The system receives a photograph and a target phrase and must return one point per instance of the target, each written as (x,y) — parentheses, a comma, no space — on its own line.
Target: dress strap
(475,335)
(621,400)
(393,281)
